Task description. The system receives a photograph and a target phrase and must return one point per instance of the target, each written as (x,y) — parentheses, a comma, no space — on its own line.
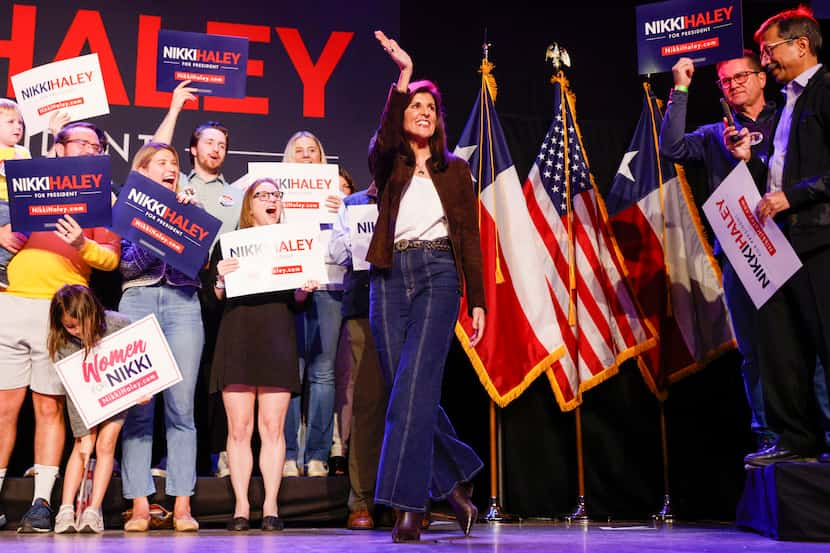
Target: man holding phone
(742,82)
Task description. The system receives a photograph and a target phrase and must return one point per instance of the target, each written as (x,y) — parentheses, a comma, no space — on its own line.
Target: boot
(465,512)
(407,526)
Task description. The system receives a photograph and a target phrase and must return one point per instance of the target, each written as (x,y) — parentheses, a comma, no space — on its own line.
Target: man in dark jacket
(794,325)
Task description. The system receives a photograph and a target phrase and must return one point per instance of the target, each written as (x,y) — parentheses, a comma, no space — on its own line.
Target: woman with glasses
(425,250)
(152,286)
(256,360)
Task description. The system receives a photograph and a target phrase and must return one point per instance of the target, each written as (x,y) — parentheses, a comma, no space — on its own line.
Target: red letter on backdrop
(87,26)
(248,104)
(146,94)
(314,77)
(20,48)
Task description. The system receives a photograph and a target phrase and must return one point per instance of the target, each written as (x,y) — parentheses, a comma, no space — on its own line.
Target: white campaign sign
(273,257)
(121,369)
(361,228)
(760,254)
(305,186)
(74,86)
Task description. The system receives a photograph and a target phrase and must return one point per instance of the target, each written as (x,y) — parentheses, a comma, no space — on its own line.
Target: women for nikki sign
(273,257)
(122,369)
(42,190)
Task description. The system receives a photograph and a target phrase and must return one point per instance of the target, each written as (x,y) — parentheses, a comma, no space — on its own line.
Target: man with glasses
(44,262)
(742,82)
(794,324)
(208,149)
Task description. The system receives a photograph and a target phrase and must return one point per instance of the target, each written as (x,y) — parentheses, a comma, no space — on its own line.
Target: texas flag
(668,260)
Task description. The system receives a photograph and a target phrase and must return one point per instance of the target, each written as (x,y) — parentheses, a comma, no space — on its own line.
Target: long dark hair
(79,302)
(438,141)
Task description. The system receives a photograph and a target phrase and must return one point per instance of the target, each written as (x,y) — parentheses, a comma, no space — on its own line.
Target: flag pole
(560,58)
(495,513)
(665,514)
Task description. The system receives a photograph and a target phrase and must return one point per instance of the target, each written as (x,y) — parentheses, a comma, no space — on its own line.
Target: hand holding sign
(68,230)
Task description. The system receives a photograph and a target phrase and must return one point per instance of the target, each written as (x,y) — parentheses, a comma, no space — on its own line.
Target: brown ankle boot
(407,527)
(465,512)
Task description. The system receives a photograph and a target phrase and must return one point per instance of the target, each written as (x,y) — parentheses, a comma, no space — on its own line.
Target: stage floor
(442,536)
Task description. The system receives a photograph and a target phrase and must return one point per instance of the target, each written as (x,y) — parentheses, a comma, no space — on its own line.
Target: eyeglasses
(265,196)
(86,145)
(767,49)
(737,78)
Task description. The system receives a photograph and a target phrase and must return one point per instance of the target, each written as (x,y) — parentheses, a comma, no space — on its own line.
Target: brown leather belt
(442,244)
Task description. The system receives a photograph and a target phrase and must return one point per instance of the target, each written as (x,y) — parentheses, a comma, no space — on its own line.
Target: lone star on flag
(624,169)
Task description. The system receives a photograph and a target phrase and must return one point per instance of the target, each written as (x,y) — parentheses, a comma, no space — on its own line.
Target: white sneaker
(316,469)
(290,468)
(65,520)
(92,521)
(223,469)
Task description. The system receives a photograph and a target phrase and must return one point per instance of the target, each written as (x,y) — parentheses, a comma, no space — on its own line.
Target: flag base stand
(496,514)
(665,514)
(581,512)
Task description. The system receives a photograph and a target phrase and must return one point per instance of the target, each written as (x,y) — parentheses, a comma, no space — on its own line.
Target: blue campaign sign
(216,64)
(149,215)
(708,31)
(42,190)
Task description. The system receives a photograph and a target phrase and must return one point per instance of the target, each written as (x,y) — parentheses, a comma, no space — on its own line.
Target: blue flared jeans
(413,309)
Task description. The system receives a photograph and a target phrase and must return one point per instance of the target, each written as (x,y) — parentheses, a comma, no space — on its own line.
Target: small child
(77,320)
(11,131)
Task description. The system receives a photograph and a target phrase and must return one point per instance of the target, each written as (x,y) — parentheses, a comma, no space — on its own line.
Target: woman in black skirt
(256,359)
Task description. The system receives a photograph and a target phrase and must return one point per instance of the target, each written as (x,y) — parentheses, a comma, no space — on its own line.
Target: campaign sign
(361,228)
(708,31)
(273,257)
(760,253)
(305,187)
(149,215)
(74,86)
(217,65)
(42,190)
(120,370)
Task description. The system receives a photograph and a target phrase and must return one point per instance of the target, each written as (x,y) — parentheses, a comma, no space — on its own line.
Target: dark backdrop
(708,421)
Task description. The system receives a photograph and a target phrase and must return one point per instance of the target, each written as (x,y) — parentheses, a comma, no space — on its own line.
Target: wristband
(682,88)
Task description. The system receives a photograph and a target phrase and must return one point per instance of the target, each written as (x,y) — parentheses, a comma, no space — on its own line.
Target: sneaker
(290,468)
(30,472)
(316,469)
(2,521)
(37,519)
(223,469)
(160,469)
(4,277)
(92,521)
(65,521)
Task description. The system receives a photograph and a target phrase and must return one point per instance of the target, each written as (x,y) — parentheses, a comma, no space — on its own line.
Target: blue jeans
(322,334)
(180,317)
(413,308)
(745,323)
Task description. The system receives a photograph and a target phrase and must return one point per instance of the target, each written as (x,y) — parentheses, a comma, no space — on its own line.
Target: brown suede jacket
(454,184)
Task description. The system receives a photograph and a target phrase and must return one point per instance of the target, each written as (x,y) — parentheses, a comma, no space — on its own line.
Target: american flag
(599,320)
